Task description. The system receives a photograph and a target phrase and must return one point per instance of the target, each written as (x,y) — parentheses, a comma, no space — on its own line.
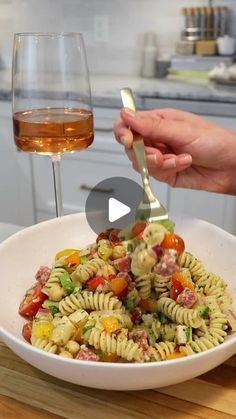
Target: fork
(149,208)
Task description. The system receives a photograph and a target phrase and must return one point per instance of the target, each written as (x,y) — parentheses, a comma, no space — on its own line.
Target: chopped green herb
(130,247)
(162,318)
(203,311)
(101,354)
(128,303)
(53,306)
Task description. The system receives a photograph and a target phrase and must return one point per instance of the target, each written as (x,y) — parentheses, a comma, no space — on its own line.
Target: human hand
(183,149)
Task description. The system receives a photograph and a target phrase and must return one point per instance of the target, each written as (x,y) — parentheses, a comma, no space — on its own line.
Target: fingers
(156,160)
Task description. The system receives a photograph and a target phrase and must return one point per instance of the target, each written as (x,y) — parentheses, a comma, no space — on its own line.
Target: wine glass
(52,112)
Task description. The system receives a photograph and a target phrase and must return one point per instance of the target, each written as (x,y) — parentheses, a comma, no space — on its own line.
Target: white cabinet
(15,176)
(218,209)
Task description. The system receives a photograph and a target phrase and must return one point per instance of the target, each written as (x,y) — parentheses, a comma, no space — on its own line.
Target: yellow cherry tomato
(110,324)
(65,252)
(176,355)
(42,330)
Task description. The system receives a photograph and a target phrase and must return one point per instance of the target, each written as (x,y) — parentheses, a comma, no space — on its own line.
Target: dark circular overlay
(112,194)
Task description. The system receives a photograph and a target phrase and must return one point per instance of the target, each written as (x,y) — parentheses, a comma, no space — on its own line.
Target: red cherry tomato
(93,283)
(32,301)
(138,229)
(114,235)
(27,331)
(173,241)
(175,289)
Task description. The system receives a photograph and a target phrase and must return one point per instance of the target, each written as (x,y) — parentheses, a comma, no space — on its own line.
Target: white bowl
(24,252)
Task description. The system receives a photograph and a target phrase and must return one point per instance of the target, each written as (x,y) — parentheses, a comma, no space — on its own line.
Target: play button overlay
(112,203)
(117,210)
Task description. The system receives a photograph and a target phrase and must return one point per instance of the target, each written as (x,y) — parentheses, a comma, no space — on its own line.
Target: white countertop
(107,87)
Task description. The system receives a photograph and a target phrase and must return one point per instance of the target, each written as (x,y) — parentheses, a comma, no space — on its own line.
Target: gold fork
(149,208)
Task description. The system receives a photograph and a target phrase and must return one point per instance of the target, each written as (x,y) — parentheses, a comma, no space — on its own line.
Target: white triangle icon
(117,209)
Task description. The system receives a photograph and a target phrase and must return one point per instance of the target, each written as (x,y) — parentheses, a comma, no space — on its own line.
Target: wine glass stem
(55,159)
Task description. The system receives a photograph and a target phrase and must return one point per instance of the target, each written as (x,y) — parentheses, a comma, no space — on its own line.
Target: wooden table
(26,392)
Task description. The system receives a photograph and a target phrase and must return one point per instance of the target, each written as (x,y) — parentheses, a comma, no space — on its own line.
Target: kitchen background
(126,20)
(114,33)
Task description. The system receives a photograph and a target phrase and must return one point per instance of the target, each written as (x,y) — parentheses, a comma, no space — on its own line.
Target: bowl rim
(126,365)
(228,343)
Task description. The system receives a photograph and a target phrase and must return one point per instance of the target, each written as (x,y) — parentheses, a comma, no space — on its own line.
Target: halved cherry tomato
(176,355)
(148,304)
(32,301)
(65,252)
(175,289)
(185,282)
(119,286)
(110,324)
(93,283)
(173,241)
(114,235)
(138,229)
(27,331)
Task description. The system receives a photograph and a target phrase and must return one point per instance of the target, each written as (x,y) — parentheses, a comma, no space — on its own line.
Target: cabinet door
(15,176)
(218,209)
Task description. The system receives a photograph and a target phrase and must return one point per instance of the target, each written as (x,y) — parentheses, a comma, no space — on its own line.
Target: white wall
(127,21)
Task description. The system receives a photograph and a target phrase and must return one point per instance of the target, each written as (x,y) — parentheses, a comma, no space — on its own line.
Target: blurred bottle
(149,55)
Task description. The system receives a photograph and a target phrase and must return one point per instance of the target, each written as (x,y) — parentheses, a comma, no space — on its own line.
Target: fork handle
(138,147)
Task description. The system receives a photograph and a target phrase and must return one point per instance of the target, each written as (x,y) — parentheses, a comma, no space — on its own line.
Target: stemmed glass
(52,112)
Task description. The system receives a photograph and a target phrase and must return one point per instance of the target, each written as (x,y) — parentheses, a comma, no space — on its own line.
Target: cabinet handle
(96,189)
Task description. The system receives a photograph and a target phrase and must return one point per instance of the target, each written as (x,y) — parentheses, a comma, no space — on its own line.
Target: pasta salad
(136,295)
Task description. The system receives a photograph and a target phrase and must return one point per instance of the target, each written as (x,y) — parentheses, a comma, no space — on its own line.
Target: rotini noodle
(160,351)
(178,314)
(108,343)
(44,344)
(187,260)
(87,270)
(88,300)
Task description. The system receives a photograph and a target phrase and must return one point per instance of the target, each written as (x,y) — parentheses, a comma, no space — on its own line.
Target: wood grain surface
(26,392)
